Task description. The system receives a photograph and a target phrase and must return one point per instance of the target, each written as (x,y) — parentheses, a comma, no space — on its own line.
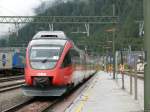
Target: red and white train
(54,65)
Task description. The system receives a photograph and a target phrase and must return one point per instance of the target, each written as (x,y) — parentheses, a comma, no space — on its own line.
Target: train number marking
(41,74)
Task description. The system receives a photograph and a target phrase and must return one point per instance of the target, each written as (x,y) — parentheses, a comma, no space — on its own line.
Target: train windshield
(44,57)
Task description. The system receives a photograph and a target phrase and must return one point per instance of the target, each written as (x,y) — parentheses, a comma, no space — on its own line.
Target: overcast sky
(17,8)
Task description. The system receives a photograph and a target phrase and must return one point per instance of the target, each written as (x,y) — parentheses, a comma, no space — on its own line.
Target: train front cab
(61,75)
(69,71)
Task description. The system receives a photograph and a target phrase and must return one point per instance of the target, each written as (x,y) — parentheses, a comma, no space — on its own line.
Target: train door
(78,73)
(84,64)
(67,68)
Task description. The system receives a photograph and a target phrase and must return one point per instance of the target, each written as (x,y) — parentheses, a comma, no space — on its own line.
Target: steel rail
(44,105)
(10,87)
(11,78)
(27,104)
(18,106)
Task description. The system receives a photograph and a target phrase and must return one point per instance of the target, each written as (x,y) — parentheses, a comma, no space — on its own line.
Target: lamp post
(114,70)
(147,46)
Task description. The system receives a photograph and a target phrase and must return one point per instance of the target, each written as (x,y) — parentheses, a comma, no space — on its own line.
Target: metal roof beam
(59,19)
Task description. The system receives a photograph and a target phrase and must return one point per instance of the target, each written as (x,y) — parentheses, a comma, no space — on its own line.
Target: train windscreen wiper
(44,60)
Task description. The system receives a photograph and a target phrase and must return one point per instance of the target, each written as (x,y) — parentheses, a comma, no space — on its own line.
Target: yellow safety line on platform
(85,97)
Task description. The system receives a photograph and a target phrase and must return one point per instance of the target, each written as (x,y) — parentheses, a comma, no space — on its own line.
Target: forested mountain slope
(127,31)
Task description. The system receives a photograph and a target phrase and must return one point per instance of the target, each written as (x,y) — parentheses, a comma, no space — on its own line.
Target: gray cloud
(17,8)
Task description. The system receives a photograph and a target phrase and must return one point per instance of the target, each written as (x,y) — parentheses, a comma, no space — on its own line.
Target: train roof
(48,42)
(52,38)
(50,35)
(60,42)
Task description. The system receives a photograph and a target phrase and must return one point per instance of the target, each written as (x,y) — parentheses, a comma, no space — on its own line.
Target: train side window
(67,60)
(74,53)
(75,56)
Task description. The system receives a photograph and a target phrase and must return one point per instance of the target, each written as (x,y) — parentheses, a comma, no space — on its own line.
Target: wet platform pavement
(104,95)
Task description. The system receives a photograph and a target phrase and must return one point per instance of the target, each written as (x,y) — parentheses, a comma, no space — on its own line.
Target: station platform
(104,95)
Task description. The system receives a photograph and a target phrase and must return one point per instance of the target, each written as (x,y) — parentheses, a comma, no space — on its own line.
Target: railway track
(11,85)
(18,106)
(33,105)
(11,78)
(44,104)
(11,82)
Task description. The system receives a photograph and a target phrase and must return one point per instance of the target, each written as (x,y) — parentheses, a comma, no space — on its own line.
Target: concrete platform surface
(104,95)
